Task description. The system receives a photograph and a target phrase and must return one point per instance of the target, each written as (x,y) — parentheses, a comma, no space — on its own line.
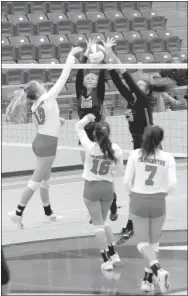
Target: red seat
(121,24)
(158,23)
(131,14)
(139,23)
(148,34)
(157,44)
(145,57)
(131,36)
(162,57)
(139,45)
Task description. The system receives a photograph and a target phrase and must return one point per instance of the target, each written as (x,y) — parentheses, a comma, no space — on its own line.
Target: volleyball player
(90,92)
(150,175)
(5,276)
(101,156)
(46,112)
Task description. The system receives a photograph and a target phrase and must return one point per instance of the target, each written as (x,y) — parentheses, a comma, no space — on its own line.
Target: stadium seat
(113,14)
(157,44)
(127,58)
(157,23)
(173,43)
(145,57)
(20,7)
(115,35)
(8,52)
(77,39)
(128,5)
(84,26)
(131,35)
(38,7)
(15,19)
(45,49)
(93,6)
(8,62)
(165,34)
(43,25)
(18,41)
(76,16)
(149,13)
(7,29)
(25,29)
(65,27)
(131,14)
(182,55)
(55,17)
(48,61)
(139,45)
(4,41)
(37,74)
(103,25)
(57,39)
(139,24)
(16,76)
(162,57)
(110,5)
(97,36)
(122,47)
(57,6)
(121,24)
(63,49)
(94,16)
(148,34)
(75,6)
(30,61)
(144,5)
(26,51)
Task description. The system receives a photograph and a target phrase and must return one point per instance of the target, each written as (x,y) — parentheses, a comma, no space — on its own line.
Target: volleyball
(96,53)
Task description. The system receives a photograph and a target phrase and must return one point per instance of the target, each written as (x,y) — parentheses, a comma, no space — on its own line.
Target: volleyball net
(173,119)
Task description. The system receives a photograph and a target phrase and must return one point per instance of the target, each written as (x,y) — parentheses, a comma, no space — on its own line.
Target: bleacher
(44,32)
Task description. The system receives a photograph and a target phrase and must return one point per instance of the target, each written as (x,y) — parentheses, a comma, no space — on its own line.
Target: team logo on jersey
(129,115)
(86,102)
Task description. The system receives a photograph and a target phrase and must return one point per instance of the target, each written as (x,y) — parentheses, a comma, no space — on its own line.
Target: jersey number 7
(153,170)
(103,169)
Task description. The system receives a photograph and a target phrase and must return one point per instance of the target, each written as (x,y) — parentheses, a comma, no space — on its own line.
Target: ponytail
(102,132)
(153,135)
(16,111)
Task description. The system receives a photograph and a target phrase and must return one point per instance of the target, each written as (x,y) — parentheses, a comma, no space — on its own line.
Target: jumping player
(101,157)
(150,175)
(46,112)
(90,92)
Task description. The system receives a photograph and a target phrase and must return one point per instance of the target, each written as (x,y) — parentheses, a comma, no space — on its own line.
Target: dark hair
(31,90)
(102,133)
(153,135)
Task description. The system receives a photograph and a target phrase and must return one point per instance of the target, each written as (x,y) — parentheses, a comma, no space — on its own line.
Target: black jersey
(138,111)
(93,102)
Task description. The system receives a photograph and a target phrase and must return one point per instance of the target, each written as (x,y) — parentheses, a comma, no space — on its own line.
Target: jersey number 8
(103,169)
(40,115)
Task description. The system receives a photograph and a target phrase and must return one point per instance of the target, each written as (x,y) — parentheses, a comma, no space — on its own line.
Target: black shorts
(89,129)
(5,275)
(44,145)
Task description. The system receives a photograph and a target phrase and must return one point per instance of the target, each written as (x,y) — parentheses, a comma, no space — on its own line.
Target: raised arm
(101,86)
(172,179)
(80,77)
(85,141)
(60,83)
(129,172)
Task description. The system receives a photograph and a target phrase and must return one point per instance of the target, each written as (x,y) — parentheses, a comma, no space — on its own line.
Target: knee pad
(33,185)
(99,228)
(141,245)
(155,247)
(45,184)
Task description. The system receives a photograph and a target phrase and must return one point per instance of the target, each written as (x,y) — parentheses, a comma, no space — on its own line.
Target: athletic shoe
(146,286)
(113,217)
(52,218)
(125,236)
(162,280)
(115,259)
(16,219)
(107,265)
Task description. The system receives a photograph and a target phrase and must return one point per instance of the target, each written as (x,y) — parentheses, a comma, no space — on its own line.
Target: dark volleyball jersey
(138,112)
(93,102)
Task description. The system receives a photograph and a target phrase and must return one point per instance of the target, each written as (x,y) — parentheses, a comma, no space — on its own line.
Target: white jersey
(155,174)
(46,110)
(97,167)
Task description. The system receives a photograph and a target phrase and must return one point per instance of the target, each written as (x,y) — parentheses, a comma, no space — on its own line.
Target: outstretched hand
(75,50)
(109,44)
(90,42)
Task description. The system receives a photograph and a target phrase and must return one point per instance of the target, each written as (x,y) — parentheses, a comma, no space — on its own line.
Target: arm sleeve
(80,78)
(101,86)
(172,179)
(60,83)
(85,141)
(129,173)
(119,163)
(123,90)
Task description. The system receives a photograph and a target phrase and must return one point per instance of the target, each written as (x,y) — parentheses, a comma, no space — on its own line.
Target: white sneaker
(146,286)
(107,265)
(162,280)
(115,259)
(52,218)
(16,219)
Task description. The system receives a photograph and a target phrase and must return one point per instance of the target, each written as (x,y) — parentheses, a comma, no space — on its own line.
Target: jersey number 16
(101,168)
